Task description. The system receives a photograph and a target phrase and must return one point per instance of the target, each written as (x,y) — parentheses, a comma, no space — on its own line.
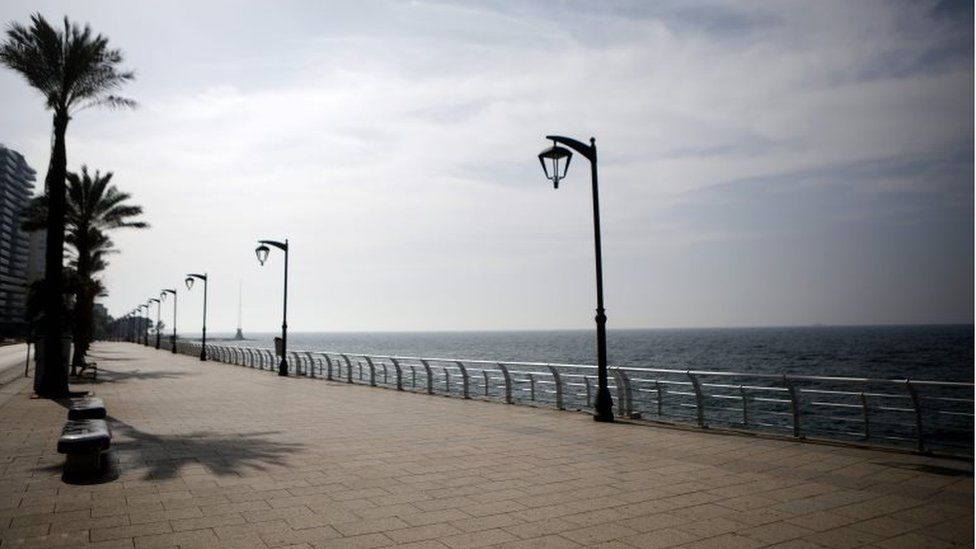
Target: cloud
(395,144)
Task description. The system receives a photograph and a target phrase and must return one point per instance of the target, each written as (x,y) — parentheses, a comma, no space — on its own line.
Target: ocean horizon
(931,351)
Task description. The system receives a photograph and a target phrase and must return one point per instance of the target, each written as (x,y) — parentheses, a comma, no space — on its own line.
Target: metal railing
(925,416)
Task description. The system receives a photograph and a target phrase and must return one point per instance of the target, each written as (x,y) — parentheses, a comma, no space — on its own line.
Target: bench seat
(84,436)
(86,408)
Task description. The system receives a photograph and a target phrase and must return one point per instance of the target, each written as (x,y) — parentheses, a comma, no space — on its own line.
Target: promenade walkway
(211,455)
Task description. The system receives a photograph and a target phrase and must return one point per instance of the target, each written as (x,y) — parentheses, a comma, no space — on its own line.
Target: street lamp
(159,305)
(551,158)
(162,296)
(262,253)
(189,286)
(144,328)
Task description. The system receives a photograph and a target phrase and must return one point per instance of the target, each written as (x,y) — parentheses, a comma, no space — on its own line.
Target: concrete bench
(86,408)
(83,442)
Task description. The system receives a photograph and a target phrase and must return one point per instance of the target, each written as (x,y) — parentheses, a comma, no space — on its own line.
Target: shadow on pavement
(112,376)
(964,469)
(166,455)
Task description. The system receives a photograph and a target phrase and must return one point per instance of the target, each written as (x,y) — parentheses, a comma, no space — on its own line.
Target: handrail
(929,415)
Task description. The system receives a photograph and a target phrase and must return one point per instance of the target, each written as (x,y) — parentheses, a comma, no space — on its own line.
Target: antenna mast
(239,334)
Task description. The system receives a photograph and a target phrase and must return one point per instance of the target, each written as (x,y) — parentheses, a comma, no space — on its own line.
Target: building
(16,188)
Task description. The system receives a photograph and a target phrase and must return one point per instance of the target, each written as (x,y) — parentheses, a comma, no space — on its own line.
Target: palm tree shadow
(165,456)
(113,376)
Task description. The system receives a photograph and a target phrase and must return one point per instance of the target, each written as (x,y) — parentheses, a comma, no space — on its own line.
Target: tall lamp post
(144,328)
(189,286)
(262,253)
(162,295)
(159,306)
(551,158)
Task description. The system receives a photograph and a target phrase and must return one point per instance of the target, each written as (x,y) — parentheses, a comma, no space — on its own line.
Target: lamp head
(551,159)
(189,282)
(262,253)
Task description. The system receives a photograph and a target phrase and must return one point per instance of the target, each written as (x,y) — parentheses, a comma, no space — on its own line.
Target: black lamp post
(551,158)
(262,253)
(162,295)
(159,305)
(144,328)
(189,286)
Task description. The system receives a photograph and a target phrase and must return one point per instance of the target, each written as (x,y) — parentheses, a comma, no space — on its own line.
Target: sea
(925,352)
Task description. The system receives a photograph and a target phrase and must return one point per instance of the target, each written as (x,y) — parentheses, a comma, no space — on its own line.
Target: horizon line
(508,330)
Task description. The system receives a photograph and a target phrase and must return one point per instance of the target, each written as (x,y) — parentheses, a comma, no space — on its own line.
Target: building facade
(16,188)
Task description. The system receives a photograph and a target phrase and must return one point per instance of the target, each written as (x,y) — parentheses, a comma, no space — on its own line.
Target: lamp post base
(283,368)
(603,411)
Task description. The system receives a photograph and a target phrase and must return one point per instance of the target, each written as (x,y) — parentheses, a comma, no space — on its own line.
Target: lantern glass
(555,163)
(162,296)
(262,253)
(189,283)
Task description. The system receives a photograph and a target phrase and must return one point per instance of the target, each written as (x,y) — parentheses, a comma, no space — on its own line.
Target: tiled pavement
(211,455)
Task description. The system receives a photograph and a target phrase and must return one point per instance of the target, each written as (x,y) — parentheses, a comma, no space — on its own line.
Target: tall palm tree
(94,206)
(72,69)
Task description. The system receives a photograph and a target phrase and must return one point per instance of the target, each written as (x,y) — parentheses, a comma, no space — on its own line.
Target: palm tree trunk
(84,305)
(51,377)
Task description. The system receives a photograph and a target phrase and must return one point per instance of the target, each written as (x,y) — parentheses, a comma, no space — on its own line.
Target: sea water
(932,352)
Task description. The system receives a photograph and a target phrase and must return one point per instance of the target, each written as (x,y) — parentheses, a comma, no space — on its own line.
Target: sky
(760,163)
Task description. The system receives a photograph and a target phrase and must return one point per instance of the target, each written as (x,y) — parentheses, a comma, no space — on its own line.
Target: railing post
(559,386)
(660,397)
(484,373)
(399,374)
(386,376)
(916,406)
(372,371)
(745,405)
(867,419)
(298,362)
(447,380)
(311,363)
(531,386)
(626,408)
(413,376)
(699,399)
(328,366)
(430,377)
(508,383)
(465,383)
(589,394)
(348,368)
(795,403)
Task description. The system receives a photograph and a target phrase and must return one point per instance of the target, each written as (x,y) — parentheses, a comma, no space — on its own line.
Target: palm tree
(73,70)
(94,206)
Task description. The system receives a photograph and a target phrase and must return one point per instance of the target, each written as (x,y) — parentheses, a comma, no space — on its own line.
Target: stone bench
(83,441)
(86,408)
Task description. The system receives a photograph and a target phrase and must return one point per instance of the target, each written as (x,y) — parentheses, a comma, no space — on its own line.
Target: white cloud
(395,144)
